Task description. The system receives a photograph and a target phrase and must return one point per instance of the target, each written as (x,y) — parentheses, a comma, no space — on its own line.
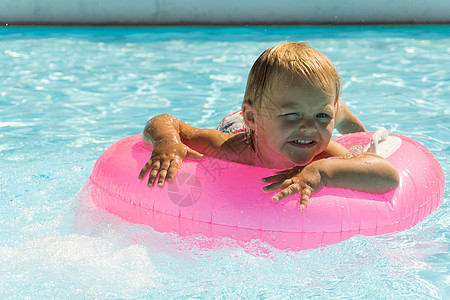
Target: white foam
(86,263)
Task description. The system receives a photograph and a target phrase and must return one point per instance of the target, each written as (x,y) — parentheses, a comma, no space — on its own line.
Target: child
(290,108)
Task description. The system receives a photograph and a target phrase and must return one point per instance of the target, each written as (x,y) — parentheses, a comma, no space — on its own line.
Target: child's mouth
(302,143)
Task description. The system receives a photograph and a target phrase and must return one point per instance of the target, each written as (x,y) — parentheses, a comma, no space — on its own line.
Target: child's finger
(277,185)
(304,197)
(278,177)
(192,154)
(163,172)
(290,190)
(173,169)
(282,175)
(282,172)
(153,173)
(291,172)
(145,169)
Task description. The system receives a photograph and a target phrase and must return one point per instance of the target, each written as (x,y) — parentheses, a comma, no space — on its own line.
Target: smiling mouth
(302,143)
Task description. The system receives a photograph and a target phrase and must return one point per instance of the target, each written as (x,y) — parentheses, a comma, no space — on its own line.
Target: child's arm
(346,121)
(174,140)
(366,173)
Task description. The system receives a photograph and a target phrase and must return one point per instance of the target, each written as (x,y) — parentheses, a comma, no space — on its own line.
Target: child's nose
(306,126)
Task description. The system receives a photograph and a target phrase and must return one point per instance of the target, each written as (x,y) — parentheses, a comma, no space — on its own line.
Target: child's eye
(291,115)
(322,115)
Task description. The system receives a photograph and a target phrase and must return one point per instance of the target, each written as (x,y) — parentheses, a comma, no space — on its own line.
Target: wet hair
(291,61)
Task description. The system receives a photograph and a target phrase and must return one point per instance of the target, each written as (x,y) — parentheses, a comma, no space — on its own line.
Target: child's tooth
(302,142)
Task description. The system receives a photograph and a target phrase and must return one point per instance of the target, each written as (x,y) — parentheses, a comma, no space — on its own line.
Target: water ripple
(66,94)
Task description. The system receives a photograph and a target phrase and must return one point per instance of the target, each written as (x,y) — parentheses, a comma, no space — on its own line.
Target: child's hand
(166,159)
(298,180)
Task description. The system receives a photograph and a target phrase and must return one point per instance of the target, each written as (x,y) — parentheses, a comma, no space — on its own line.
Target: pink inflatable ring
(218,198)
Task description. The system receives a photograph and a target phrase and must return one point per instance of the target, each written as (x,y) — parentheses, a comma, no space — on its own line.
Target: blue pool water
(66,94)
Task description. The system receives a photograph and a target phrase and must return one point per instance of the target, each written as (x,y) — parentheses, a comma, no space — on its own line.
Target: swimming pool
(66,94)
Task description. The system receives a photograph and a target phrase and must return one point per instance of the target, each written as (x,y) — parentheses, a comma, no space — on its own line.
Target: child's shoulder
(237,148)
(224,145)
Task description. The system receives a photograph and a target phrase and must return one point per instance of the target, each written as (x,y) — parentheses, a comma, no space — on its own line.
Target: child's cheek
(287,123)
(328,126)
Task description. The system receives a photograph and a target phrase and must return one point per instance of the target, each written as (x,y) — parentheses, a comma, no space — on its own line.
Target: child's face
(295,123)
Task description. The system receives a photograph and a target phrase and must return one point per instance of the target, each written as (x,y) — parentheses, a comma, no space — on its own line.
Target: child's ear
(249,113)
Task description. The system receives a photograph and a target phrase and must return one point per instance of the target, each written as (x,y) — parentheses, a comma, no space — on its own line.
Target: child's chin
(300,158)
(301,161)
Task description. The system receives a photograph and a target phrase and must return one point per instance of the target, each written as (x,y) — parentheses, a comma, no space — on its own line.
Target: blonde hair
(294,61)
